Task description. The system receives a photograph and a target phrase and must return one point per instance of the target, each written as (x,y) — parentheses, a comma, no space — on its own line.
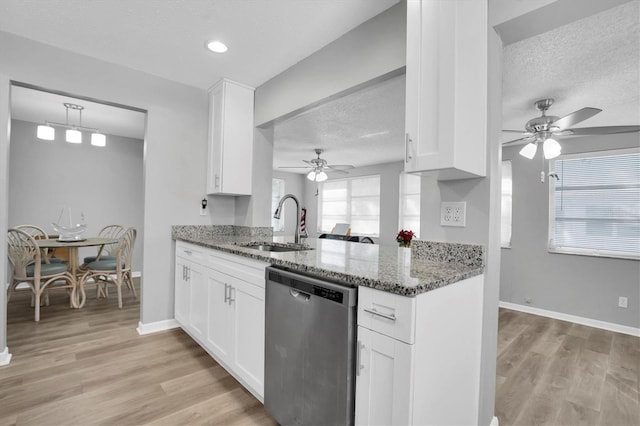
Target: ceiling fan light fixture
(46,133)
(311,175)
(529,150)
(551,148)
(321,176)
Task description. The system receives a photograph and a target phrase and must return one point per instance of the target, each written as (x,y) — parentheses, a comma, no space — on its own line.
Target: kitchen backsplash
(212,231)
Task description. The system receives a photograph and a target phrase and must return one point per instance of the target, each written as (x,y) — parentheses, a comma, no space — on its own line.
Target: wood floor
(553,372)
(89,366)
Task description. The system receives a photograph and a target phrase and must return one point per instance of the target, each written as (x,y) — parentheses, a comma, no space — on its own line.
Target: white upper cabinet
(230,138)
(446,88)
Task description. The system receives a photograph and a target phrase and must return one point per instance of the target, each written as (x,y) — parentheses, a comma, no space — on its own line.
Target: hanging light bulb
(551,148)
(321,177)
(98,139)
(46,132)
(73,136)
(529,150)
(311,175)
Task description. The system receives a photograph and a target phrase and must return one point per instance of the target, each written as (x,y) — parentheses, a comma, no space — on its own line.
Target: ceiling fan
(319,167)
(547,128)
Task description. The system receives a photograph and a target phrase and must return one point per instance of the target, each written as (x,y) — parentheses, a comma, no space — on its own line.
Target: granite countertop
(426,266)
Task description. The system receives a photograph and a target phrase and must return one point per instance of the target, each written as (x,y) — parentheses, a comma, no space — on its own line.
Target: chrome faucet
(276,215)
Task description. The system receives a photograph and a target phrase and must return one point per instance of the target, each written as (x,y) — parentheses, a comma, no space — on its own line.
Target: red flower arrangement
(404,238)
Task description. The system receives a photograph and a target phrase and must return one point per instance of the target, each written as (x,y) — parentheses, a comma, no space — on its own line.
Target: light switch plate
(453,213)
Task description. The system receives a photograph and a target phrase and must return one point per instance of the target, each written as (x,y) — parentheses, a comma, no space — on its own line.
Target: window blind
(409,214)
(355,201)
(506,205)
(277,192)
(596,204)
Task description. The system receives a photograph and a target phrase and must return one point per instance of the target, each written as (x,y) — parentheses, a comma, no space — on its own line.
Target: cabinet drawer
(190,251)
(249,270)
(387,313)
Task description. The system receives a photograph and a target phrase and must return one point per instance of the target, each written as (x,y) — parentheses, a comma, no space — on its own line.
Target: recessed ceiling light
(217,46)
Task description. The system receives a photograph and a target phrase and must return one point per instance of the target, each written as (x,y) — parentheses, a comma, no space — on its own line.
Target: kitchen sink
(275,247)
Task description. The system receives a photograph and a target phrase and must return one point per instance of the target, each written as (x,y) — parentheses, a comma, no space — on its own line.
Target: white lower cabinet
(219,301)
(419,357)
(382,395)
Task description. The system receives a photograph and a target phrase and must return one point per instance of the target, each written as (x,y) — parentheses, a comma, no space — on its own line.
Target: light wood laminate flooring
(553,372)
(90,366)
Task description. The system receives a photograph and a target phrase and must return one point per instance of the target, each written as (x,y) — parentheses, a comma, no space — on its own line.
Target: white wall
(389,199)
(174,158)
(294,183)
(584,286)
(373,49)
(103,183)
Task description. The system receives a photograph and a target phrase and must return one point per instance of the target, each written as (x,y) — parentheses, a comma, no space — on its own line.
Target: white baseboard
(5,357)
(618,328)
(157,326)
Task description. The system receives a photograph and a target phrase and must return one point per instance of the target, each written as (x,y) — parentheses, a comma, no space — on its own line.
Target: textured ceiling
(591,62)
(362,128)
(167,38)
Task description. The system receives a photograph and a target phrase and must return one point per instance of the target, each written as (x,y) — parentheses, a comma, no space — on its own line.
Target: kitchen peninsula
(419,314)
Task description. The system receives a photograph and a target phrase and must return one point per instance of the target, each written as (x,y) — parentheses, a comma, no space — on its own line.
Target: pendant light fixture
(550,148)
(73,133)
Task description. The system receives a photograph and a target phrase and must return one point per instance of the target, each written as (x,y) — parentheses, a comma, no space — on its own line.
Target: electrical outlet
(453,213)
(622,302)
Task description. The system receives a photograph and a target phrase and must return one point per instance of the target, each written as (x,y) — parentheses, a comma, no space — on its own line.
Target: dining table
(72,246)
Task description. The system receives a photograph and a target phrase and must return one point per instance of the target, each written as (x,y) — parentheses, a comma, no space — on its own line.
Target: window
(277,192)
(507,196)
(410,203)
(594,205)
(355,201)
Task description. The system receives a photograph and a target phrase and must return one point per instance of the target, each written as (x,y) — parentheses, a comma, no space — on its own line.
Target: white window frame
(348,214)
(402,215)
(506,215)
(277,225)
(551,231)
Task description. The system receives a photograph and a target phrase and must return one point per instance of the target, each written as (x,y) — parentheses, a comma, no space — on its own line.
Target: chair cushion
(90,259)
(55,260)
(47,269)
(103,265)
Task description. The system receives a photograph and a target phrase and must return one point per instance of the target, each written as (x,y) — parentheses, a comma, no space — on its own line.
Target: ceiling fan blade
(340,166)
(606,130)
(516,131)
(332,170)
(575,117)
(293,167)
(519,141)
(308,162)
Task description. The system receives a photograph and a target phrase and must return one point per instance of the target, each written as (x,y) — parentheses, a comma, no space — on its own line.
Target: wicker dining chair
(28,267)
(107,251)
(39,234)
(116,272)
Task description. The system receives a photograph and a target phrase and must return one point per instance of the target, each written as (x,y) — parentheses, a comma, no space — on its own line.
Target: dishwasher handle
(299,295)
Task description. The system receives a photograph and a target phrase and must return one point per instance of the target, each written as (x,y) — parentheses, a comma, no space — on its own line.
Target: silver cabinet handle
(359,358)
(226,292)
(188,274)
(407,148)
(188,252)
(232,290)
(217,181)
(391,317)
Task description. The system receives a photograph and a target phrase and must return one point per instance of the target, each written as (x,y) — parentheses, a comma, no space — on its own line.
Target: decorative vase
(404,244)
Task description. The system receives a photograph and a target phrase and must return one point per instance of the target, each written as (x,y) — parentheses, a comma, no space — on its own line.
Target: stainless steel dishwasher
(309,350)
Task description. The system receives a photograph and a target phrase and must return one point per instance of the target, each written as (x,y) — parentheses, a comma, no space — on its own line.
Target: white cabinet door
(383,382)
(220,324)
(182,293)
(248,303)
(197,300)
(230,147)
(446,88)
